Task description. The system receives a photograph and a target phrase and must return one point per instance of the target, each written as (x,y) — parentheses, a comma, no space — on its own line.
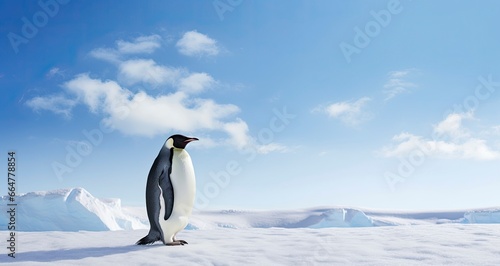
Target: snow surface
(442,244)
(79,229)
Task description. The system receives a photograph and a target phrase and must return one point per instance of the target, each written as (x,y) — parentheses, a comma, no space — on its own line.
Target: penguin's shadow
(77,253)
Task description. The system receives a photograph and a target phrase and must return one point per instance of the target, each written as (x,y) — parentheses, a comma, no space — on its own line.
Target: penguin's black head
(179,141)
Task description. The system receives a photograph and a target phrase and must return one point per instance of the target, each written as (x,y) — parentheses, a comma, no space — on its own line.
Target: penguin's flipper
(168,193)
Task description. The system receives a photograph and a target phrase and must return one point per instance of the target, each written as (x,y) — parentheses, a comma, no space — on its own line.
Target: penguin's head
(178,141)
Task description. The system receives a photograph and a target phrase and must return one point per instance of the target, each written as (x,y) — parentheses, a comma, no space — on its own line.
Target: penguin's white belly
(184,184)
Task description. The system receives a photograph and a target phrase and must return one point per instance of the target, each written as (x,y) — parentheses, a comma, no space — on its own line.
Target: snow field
(456,244)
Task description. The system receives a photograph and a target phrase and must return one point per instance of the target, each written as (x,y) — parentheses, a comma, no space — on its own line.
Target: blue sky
(377,104)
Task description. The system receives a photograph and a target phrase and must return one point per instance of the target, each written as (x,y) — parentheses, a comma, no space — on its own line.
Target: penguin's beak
(190,139)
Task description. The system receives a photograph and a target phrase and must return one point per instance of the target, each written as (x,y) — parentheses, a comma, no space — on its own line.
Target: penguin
(170,192)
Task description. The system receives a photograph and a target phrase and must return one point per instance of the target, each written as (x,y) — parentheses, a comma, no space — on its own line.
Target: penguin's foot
(147,240)
(177,243)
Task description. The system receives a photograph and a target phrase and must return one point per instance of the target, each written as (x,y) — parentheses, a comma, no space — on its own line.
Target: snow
(452,244)
(71,227)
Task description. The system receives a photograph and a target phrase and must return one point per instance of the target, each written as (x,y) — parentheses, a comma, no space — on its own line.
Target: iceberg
(72,209)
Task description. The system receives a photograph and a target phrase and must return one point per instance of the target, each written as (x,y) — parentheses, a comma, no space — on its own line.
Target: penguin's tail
(148,240)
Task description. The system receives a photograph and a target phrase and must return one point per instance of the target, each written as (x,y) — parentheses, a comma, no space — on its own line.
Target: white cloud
(97,95)
(194,43)
(55,71)
(196,83)
(143,44)
(145,115)
(399,73)
(451,140)
(272,147)
(106,54)
(241,139)
(348,112)
(397,83)
(57,104)
(496,129)
(452,127)
(132,71)
(142,114)
(493,131)
(148,71)
(238,131)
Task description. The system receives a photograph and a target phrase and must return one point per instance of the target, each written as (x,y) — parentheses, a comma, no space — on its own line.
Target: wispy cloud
(148,71)
(106,54)
(194,43)
(142,113)
(398,83)
(55,71)
(58,104)
(196,83)
(141,45)
(136,70)
(494,131)
(452,127)
(146,115)
(239,132)
(349,112)
(272,147)
(452,140)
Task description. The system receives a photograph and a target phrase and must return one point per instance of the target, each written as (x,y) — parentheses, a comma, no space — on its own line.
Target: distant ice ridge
(343,218)
(77,210)
(69,210)
(482,216)
(306,218)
